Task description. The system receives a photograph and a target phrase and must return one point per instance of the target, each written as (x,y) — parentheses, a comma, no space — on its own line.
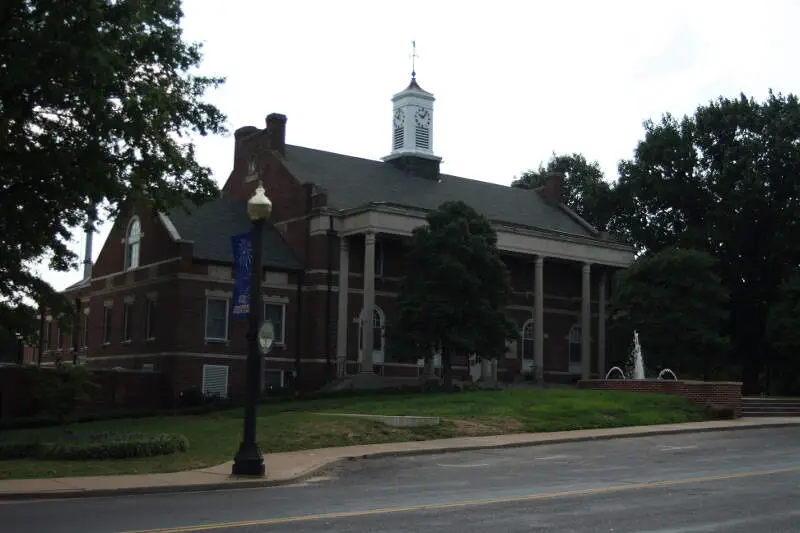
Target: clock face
(423,117)
(399,117)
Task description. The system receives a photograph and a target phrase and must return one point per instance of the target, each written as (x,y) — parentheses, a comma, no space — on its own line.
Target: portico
(540,248)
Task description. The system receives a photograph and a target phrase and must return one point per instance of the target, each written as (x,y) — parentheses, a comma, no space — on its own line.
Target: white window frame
(149,311)
(227,319)
(282,305)
(132,260)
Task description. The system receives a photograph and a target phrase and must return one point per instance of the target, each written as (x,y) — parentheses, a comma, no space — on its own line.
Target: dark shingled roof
(212,224)
(354,182)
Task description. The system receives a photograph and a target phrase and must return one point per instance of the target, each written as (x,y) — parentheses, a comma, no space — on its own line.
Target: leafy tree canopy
(723,180)
(455,295)
(585,190)
(783,331)
(677,303)
(96,103)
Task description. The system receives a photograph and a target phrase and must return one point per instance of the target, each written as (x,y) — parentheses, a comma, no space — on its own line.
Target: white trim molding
(171,229)
(516,239)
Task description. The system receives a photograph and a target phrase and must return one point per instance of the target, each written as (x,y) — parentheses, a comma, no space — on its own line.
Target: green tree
(585,190)
(97,99)
(677,303)
(60,391)
(725,181)
(783,332)
(455,295)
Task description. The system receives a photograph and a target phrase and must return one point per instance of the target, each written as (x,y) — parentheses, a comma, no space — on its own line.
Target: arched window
(574,340)
(528,335)
(133,240)
(378,325)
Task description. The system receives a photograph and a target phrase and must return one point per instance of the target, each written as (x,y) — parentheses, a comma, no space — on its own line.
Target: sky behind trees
(514,82)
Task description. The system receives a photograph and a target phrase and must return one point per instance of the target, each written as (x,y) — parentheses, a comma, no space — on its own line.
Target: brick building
(159,296)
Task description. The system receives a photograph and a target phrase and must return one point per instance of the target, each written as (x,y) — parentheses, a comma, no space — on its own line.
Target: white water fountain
(636,364)
(637,361)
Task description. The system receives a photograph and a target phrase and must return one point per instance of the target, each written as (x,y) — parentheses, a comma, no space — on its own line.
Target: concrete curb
(317,470)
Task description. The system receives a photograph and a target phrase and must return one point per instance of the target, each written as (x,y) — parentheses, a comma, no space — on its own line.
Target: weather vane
(414,56)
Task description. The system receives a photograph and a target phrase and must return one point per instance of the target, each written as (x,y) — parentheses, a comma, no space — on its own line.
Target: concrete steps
(757,406)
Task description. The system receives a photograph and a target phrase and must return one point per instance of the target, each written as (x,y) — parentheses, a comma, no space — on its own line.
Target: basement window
(215,380)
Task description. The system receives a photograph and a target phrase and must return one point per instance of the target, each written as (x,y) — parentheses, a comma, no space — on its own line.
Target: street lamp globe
(259,207)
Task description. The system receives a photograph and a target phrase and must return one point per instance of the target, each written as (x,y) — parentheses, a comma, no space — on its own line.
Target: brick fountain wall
(717,393)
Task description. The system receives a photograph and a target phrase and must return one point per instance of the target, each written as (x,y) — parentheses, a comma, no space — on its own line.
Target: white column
(601,326)
(369,300)
(342,322)
(538,318)
(586,321)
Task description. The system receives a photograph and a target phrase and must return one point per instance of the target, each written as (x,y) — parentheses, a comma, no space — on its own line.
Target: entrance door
(575,355)
(528,361)
(378,336)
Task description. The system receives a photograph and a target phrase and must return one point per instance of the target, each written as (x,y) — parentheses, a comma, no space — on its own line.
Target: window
(215,379)
(150,320)
(423,136)
(106,325)
(397,138)
(59,337)
(377,331)
(127,310)
(47,335)
(574,339)
(276,313)
(132,241)
(274,380)
(379,258)
(85,332)
(217,319)
(528,336)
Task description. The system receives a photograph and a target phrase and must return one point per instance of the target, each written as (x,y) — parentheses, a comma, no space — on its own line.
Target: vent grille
(397,139)
(215,380)
(423,140)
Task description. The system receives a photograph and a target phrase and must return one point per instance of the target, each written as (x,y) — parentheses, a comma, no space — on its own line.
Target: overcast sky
(514,81)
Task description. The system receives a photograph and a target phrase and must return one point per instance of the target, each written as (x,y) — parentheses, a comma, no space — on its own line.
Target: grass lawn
(289,426)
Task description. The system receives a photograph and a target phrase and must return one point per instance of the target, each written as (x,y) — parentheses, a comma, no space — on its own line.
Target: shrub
(97,446)
(59,391)
(18,450)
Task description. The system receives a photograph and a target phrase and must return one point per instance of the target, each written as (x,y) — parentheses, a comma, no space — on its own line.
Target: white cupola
(412,122)
(412,132)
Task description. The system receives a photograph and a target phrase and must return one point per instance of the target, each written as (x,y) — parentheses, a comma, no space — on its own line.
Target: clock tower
(412,132)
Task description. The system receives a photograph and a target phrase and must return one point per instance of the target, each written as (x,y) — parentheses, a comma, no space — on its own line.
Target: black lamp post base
(248,461)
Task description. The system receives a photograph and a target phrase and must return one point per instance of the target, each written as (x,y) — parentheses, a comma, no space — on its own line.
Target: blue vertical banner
(243,268)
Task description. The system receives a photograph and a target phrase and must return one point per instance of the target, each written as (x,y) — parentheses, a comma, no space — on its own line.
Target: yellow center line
(461,504)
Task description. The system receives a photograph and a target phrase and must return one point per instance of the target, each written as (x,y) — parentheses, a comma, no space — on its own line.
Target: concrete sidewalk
(293,467)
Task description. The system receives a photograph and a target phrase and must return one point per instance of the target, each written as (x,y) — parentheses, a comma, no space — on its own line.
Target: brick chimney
(276,132)
(554,188)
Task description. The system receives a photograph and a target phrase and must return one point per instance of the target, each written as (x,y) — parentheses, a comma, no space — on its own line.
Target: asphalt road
(742,481)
